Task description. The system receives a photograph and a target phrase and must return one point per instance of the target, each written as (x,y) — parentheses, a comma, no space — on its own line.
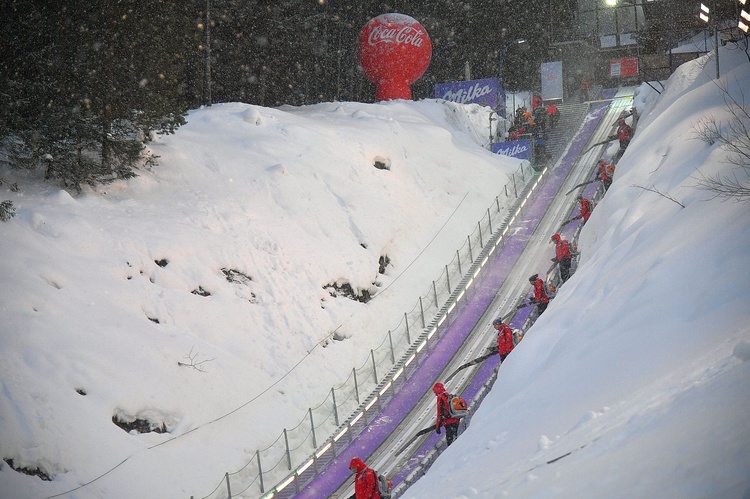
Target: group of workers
(366,480)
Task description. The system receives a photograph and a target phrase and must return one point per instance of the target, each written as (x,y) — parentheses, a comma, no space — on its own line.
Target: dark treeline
(86,84)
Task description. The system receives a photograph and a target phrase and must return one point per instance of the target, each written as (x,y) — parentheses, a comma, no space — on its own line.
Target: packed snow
(198,295)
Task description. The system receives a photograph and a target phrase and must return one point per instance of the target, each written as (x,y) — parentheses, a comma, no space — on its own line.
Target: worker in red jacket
(365,480)
(563,256)
(585,209)
(540,295)
(605,173)
(444,414)
(504,338)
(624,135)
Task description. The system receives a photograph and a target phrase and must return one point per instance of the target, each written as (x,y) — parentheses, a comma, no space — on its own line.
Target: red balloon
(394,51)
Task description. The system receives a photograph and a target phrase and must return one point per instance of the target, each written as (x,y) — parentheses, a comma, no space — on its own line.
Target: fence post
(260,472)
(434,291)
(471,255)
(393,353)
(522,177)
(448,279)
(515,187)
(312,427)
(229,489)
(288,452)
(356,386)
(335,409)
(489,217)
(481,242)
(458,258)
(497,202)
(374,367)
(421,312)
(506,191)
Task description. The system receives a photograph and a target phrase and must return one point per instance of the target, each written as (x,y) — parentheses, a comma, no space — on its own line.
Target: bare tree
(194,362)
(734,137)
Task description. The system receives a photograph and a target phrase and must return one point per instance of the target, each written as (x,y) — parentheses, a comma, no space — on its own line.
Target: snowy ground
(634,383)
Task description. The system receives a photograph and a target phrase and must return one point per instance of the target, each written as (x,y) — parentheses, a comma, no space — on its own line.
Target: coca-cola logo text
(406,35)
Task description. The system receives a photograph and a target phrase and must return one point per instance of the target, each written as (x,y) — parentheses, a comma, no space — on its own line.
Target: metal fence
(297,451)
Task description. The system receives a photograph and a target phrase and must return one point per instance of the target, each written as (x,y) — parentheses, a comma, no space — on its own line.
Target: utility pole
(207,83)
(716,36)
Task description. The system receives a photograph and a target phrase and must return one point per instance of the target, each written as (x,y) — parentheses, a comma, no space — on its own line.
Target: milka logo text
(514,150)
(406,35)
(471,94)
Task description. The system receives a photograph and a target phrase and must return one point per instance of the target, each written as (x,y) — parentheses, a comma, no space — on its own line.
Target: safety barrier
(297,450)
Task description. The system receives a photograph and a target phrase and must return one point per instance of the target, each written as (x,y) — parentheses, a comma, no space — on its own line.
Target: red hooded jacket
(585,209)
(504,339)
(624,132)
(365,481)
(562,248)
(539,295)
(606,171)
(443,407)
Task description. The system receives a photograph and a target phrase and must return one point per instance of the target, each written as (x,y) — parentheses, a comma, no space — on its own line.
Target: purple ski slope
(503,260)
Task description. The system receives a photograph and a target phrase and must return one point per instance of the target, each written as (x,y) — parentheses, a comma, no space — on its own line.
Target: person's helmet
(602,162)
(497,321)
(533,278)
(438,388)
(555,237)
(621,121)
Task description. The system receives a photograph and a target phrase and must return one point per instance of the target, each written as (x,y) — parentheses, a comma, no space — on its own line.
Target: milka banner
(482,92)
(552,80)
(520,149)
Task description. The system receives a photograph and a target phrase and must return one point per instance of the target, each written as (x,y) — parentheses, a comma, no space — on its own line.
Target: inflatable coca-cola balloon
(394,50)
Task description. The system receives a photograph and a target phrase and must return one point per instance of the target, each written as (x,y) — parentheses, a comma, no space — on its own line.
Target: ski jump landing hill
(465,332)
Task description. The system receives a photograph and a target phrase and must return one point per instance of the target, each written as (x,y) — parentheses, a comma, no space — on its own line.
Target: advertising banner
(520,149)
(625,67)
(483,92)
(552,80)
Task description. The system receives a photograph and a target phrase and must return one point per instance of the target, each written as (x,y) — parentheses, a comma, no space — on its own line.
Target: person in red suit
(444,418)
(504,338)
(605,173)
(365,480)
(585,209)
(624,135)
(563,256)
(540,295)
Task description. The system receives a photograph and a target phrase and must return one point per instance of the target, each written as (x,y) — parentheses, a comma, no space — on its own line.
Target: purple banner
(483,92)
(520,149)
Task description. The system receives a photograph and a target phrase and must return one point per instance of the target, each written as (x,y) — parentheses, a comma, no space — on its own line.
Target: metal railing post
(288,452)
(374,367)
(393,353)
(356,385)
(312,427)
(335,409)
(260,472)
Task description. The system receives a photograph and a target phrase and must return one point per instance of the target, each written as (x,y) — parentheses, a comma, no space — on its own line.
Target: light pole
(500,83)
(706,17)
